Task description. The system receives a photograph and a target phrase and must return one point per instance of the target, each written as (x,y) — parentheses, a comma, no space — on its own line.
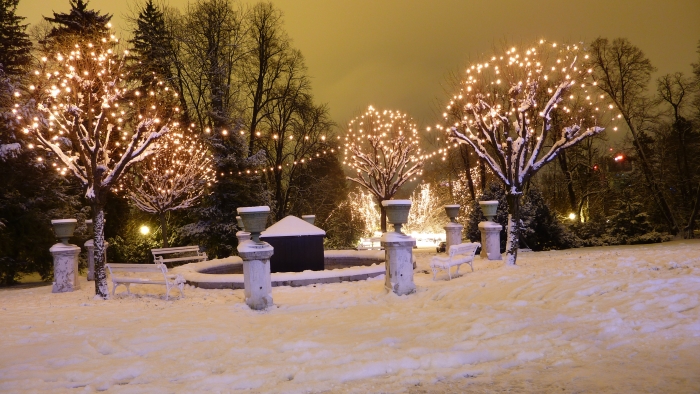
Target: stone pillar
(398,249)
(453,234)
(90,246)
(65,268)
(490,240)
(256,273)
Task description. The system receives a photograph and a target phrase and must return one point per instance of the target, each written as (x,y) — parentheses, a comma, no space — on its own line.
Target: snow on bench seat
(458,255)
(152,276)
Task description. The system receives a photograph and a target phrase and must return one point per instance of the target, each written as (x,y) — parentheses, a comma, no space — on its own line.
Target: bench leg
(114,287)
(127,288)
(181,287)
(471,265)
(449,274)
(457,272)
(167,291)
(434,271)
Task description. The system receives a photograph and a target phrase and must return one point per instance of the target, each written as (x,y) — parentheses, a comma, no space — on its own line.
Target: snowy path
(615,319)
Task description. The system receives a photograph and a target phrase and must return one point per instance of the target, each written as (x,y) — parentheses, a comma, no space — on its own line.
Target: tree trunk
(382,216)
(688,230)
(569,181)
(513,234)
(98,218)
(164,229)
(482,174)
(467,166)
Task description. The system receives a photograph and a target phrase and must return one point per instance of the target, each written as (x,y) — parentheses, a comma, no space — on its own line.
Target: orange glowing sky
(396,54)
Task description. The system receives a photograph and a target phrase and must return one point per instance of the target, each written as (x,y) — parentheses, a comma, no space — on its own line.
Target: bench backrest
(179,249)
(465,248)
(159,268)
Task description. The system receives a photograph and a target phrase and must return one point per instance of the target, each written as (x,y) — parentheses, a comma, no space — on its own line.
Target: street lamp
(144,230)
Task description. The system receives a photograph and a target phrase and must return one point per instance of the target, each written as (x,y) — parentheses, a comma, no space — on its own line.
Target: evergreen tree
(80,24)
(15,46)
(151,47)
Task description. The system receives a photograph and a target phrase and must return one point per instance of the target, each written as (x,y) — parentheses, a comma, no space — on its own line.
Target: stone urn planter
(309,218)
(397,212)
(239,223)
(452,212)
(64,228)
(489,208)
(254,220)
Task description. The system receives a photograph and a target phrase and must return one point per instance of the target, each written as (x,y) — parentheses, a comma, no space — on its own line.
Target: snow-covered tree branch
(382,148)
(92,125)
(505,108)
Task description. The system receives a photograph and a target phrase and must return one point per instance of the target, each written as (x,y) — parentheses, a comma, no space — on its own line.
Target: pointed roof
(291,226)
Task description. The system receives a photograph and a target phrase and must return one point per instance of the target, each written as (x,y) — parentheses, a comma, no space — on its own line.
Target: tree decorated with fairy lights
(90,124)
(382,148)
(174,178)
(507,109)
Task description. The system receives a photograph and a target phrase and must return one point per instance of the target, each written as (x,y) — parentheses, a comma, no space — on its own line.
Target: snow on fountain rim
(192,272)
(452,206)
(396,202)
(260,208)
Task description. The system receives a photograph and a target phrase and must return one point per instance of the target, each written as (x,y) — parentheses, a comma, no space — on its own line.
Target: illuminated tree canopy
(518,110)
(382,148)
(91,125)
(174,178)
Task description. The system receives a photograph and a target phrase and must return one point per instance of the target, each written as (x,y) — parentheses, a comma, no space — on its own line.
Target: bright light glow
(572,216)
(144,230)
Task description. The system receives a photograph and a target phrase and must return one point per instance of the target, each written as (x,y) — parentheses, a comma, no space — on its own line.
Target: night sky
(397,54)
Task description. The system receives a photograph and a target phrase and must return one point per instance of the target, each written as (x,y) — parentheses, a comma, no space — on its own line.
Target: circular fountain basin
(341,266)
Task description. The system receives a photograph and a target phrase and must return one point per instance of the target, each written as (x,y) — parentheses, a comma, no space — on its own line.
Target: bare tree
(623,72)
(509,102)
(269,61)
(174,178)
(93,126)
(382,148)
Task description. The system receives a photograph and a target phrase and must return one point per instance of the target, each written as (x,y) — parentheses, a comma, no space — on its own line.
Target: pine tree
(151,47)
(15,46)
(79,24)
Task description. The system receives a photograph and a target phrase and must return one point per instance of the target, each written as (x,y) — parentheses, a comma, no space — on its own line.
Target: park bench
(458,255)
(181,253)
(155,274)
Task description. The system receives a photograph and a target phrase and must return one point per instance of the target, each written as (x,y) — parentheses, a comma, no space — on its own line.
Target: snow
(261,208)
(8,151)
(291,226)
(594,320)
(396,202)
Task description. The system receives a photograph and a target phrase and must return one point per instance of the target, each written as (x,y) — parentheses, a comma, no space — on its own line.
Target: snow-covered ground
(614,320)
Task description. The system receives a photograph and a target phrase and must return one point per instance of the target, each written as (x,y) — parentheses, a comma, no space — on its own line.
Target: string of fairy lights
(486,96)
(490,89)
(382,134)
